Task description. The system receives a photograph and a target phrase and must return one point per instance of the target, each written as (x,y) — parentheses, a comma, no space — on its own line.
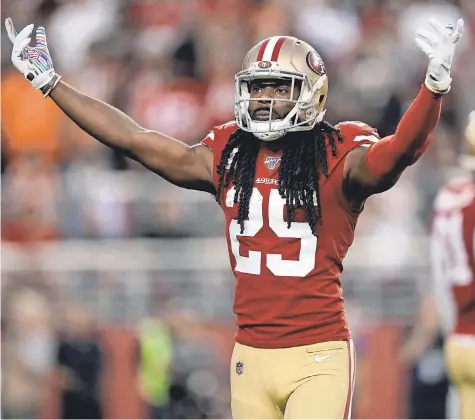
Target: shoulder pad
(357,131)
(355,134)
(227,128)
(456,193)
(218,136)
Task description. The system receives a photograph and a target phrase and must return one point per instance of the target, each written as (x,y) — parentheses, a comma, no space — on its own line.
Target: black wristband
(46,89)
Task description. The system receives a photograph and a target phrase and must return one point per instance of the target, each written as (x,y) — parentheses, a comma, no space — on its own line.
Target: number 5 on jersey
(274,262)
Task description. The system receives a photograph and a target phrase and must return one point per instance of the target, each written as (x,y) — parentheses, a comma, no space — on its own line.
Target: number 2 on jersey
(274,262)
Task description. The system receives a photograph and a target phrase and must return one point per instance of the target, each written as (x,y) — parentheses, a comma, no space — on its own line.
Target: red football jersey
(288,291)
(453,260)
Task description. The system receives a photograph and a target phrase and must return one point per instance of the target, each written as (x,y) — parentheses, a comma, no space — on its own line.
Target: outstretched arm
(377,168)
(185,166)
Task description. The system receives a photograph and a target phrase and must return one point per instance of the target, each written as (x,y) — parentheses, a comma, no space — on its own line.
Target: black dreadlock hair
(304,158)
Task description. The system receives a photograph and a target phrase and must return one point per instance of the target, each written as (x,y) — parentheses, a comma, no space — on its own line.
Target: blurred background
(116,287)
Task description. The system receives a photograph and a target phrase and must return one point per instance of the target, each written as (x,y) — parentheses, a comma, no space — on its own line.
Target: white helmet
(282,58)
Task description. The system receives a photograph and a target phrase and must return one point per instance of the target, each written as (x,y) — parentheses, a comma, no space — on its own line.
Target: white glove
(33,62)
(439,45)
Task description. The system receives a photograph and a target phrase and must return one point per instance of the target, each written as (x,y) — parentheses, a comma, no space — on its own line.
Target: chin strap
(320,116)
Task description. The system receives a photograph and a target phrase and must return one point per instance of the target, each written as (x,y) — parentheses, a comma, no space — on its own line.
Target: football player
(291,187)
(453,264)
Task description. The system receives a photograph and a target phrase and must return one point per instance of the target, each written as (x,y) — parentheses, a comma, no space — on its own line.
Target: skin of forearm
(173,160)
(105,123)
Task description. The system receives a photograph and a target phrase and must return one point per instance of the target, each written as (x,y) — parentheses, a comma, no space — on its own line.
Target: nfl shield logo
(271,162)
(239,368)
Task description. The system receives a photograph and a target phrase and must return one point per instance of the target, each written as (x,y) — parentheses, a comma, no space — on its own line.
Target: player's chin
(265,117)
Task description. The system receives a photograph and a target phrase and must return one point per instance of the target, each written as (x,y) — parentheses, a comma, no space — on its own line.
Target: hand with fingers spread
(439,43)
(33,62)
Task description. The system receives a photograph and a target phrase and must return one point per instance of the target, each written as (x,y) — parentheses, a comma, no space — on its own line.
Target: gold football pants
(314,381)
(460,360)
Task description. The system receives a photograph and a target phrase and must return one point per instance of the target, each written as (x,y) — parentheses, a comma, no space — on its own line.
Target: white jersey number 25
(274,262)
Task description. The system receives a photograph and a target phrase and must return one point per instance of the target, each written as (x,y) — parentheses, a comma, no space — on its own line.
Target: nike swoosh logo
(322,358)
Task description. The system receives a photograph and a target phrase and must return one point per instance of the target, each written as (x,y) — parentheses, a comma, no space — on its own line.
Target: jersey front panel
(453,236)
(288,290)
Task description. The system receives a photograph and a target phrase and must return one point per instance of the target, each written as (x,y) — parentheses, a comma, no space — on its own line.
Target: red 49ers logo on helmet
(315,63)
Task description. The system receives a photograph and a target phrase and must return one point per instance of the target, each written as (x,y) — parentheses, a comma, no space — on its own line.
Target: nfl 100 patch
(271,162)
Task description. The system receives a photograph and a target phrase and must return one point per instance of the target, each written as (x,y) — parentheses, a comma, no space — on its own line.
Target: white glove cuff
(41,79)
(438,86)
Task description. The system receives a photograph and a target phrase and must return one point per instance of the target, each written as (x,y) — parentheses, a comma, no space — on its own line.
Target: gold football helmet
(467,158)
(282,57)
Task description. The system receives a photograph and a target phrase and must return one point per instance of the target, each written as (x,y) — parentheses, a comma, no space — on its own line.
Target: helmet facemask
(302,117)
